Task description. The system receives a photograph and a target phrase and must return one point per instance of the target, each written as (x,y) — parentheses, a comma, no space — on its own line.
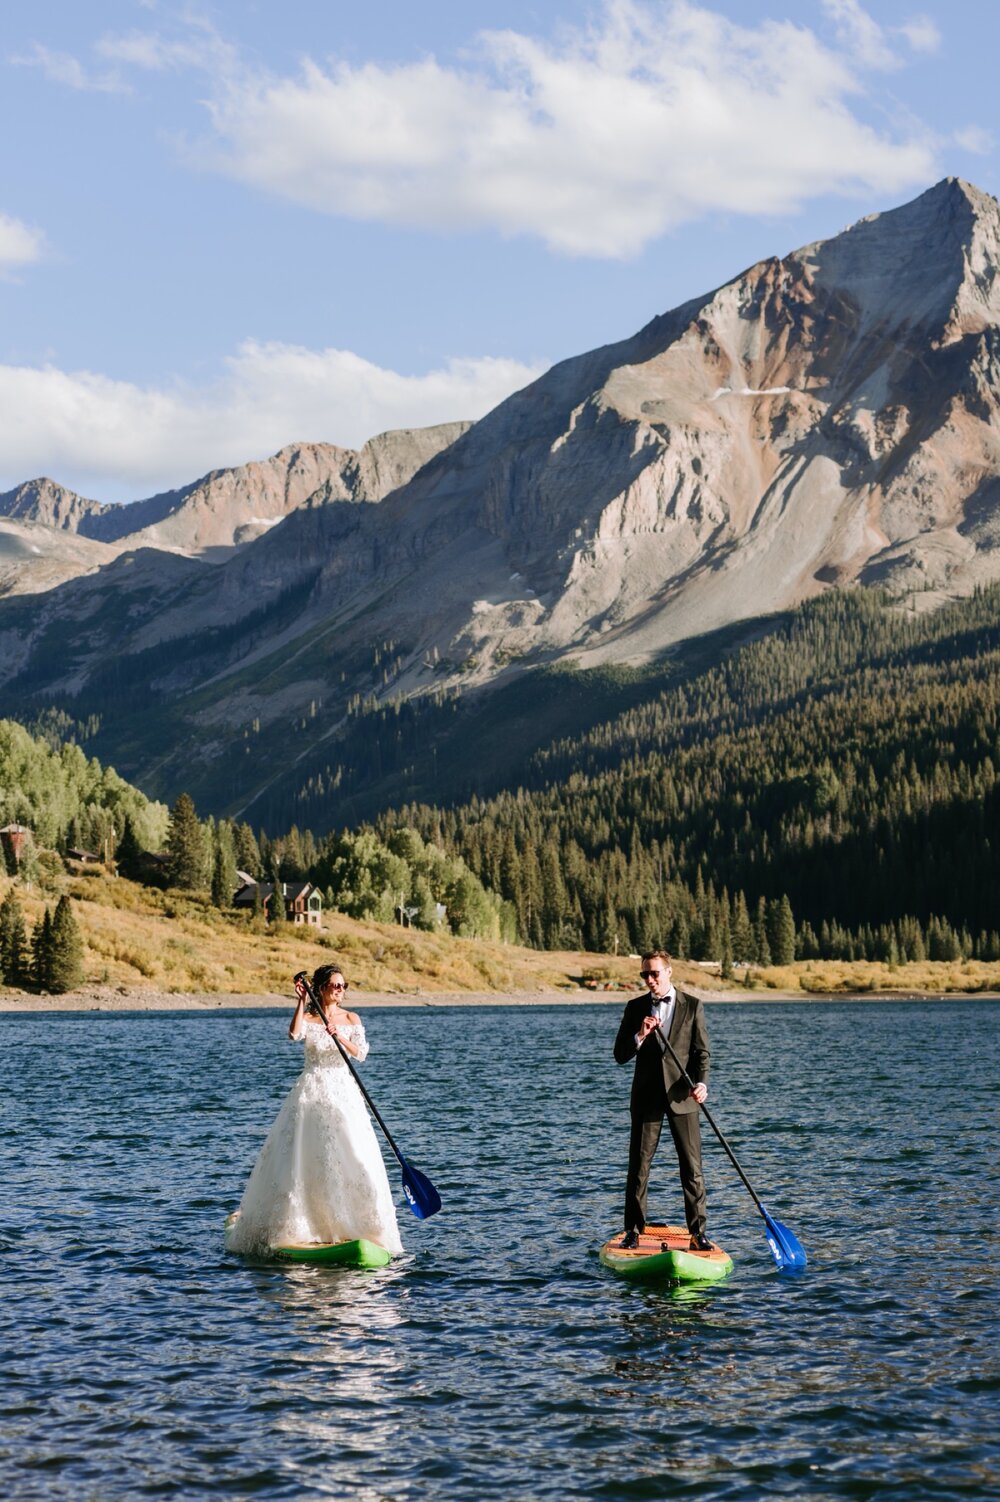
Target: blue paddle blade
(786,1249)
(423,1198)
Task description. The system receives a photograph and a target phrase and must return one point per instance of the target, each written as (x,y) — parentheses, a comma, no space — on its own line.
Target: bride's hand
(344,1041)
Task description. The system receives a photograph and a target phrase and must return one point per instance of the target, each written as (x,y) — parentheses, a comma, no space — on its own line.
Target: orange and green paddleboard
(664,1253)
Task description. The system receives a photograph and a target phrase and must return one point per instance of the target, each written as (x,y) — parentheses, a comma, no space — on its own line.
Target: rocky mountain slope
(35,557)
(44,503)
(229,507)
(825,419)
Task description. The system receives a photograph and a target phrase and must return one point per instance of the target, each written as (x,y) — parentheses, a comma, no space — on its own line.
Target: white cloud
(974,138)
(197,47)
(64,68)
(117,440)
(922,34)
(20,245)
(201,48)
(658,113)
(862,36)
(597,142)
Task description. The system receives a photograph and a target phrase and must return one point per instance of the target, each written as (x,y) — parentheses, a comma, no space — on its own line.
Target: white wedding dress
(319,1176)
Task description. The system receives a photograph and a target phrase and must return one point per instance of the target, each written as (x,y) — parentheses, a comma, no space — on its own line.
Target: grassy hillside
(137,936)
(143,939)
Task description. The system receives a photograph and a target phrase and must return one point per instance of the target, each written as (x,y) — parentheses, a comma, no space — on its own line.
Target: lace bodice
(321,1051)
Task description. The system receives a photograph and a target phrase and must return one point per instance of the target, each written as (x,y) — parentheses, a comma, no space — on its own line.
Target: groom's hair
(658,954)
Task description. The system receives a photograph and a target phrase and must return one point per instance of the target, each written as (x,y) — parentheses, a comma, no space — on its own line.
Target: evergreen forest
(842,767)
(821,784)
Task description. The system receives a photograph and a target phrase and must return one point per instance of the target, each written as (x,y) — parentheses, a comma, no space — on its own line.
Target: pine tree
(222,891)
(607,931)
(247,851)
(223,868)
(41,951)
(807,946)
(726,966)
(553,895)
(129,851)
(781,932)
(680,936)
(185,847)
(66,951)
(291,855)
(276,907)
(742,929)
(13,942)
(762,947)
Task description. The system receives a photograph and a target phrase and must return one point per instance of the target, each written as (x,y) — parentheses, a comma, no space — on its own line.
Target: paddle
(421,1195)
(786,1249)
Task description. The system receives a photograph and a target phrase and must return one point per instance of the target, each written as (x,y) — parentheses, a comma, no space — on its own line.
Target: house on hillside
(303,901)
(12,837)
(83,857)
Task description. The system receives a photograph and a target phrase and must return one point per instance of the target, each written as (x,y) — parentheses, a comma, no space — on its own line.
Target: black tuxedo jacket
(655,1070)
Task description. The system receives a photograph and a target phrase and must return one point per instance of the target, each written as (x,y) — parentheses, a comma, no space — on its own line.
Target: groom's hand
(649,1024)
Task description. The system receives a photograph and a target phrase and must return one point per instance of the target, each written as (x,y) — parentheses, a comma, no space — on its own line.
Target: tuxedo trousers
(685,1129)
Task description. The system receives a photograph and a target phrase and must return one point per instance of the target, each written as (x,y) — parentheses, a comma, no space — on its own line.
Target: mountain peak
(46,501)
(930,262)
(826,418)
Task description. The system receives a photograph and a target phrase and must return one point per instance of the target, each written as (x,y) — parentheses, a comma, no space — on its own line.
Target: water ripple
(138,1360)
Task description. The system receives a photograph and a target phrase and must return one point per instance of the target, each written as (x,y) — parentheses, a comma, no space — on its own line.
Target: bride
(319,1177)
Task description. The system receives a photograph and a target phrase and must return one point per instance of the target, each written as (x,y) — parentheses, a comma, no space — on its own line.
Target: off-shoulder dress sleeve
(356,1033)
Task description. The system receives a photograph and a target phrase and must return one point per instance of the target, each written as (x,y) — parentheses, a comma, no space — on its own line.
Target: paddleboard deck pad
(359,1253)
(664,1252)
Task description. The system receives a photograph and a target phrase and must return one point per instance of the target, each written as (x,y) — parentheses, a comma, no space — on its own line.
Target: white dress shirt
(664,1011)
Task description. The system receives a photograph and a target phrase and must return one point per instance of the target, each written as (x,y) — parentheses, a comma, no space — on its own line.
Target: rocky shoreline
(97,998)
(135,999)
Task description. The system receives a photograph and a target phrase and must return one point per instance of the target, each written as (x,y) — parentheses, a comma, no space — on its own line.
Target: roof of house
(246,896)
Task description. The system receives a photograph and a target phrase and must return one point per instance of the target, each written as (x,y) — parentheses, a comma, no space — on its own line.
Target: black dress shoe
(701,1243)
(629,1241)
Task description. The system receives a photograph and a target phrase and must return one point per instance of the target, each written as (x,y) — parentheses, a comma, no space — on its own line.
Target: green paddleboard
(359,1253)
(664,1253)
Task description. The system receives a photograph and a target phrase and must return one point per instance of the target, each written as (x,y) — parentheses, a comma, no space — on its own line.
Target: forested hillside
(65,801)
(68,798)
(827,789)
(844,766)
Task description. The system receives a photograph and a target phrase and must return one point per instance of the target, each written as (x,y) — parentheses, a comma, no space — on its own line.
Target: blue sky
(228,227)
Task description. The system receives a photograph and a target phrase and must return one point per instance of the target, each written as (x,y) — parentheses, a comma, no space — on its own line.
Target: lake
(139,1360)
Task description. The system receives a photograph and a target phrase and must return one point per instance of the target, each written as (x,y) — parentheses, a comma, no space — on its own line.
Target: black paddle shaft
(347,1060)
(711,1121)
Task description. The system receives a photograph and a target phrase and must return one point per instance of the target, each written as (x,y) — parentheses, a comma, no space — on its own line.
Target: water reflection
(334,1389)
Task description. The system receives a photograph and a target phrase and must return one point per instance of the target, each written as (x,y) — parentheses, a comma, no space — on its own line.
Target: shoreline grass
(139,938)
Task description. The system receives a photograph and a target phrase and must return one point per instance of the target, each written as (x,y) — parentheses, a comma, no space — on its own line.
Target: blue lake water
(138,1360)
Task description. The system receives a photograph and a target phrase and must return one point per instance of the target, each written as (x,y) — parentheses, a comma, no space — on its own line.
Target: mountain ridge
(827,418)
(218,512)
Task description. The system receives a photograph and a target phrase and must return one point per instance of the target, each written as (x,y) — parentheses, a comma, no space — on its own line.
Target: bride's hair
(323,976)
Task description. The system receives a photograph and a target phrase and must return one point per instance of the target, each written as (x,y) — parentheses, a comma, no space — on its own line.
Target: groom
(658,1090)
